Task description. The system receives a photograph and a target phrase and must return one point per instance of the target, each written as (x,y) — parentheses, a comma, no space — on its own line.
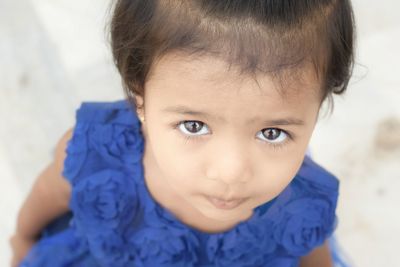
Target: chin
(221,215)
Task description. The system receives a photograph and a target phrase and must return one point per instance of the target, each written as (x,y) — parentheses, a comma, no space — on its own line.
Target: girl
(203,163)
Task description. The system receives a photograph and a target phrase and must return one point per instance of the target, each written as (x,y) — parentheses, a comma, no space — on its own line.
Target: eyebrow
(186,111)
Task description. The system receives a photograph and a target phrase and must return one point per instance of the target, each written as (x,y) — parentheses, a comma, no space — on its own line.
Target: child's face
(246,148)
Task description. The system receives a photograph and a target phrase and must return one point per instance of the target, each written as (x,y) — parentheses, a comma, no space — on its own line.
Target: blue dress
(114,221)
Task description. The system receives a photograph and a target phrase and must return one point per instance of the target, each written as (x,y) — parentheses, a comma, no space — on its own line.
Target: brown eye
(192,128)
(274,135)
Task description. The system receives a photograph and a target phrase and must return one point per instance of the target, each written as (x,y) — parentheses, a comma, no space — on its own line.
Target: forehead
(210,83)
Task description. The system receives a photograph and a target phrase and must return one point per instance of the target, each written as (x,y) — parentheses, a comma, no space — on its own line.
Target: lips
(225,204)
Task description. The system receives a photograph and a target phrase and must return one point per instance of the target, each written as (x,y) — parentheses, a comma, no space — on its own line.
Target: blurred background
(54,55)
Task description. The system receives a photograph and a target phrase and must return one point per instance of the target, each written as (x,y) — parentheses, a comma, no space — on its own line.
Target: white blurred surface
(53,55)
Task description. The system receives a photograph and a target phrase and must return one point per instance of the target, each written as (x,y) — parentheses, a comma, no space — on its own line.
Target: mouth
(225,204)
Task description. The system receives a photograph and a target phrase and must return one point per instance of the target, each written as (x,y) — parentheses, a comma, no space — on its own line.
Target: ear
(139,106)
(139,101)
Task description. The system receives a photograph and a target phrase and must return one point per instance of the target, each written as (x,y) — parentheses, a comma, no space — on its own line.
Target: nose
(230,164)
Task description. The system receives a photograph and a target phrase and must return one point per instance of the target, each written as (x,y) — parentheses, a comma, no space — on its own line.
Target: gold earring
(140,115)
(141,118)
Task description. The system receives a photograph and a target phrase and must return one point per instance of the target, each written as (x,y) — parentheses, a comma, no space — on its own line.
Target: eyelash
(276,146)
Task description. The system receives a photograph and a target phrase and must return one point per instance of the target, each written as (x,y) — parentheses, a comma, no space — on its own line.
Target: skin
(230,156)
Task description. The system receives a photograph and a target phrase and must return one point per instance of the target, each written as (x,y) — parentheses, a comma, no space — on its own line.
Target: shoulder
(119,111)
(316,180)
(304,214)
(105,135)
(103,163)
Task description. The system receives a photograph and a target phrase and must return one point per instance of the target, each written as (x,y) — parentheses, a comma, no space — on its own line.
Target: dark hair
(270,36)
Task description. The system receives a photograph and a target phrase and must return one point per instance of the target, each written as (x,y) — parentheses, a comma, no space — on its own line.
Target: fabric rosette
(304,224)
(246,245)
(117,144)
(103,201)
(166,247)
(111,249)
(163,241)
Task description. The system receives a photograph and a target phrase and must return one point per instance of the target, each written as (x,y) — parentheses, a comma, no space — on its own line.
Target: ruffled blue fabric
(114,221)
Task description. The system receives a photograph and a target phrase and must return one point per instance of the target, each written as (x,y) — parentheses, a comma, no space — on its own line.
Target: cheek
(174,162)
(277,175)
